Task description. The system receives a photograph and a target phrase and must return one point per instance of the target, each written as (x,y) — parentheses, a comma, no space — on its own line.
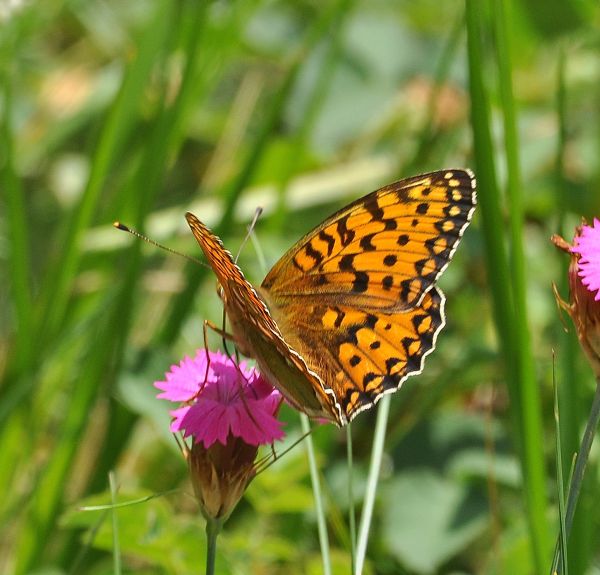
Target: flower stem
(580,464)
(318,495)
(375,467)
(351,508)
(213,527)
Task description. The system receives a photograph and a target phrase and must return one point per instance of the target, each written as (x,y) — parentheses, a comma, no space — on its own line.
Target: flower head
(584,281)
(221,398)
(229,410)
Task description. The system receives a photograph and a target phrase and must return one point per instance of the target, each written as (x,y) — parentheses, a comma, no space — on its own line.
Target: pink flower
(587,245)
(222,398)
(229,411)
(584,280)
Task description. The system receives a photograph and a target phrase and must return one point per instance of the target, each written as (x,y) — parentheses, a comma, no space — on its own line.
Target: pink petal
(226,399)
(256,425)
(587,245)
(178,415)
(184,381)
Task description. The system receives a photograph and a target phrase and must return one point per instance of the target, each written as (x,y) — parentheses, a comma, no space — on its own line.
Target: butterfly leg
(225,335)
(214,327)
(205,326)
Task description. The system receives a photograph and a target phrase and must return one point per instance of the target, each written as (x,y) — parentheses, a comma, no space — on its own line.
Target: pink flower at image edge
(223,399)
(587,245)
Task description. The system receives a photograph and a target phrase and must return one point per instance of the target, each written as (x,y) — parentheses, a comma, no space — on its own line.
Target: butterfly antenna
(258,212)
(137,234)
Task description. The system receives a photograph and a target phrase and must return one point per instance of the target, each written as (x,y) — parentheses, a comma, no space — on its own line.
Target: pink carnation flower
(221,398)
(587,245)
(584,281)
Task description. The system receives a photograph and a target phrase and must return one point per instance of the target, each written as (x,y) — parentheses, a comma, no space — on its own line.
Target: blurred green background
(142,110)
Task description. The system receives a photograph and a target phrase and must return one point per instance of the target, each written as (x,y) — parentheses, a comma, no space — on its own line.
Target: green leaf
(428,519)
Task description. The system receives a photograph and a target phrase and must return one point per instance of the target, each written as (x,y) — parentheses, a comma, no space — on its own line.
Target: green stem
(371,490)
(316,485)
(351,508)
(213,527)
(115,524)
(561,542)
(582,457)
(580,464)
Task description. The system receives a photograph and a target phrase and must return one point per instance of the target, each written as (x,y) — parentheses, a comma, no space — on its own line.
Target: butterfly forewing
(386,249)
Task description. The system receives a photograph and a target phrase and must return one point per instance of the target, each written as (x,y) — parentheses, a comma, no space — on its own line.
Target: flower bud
(584,280)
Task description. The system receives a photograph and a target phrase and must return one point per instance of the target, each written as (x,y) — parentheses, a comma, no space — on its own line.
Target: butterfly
(352,309)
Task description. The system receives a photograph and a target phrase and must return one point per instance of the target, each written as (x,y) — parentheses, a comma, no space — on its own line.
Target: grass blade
(525,407)
(531,408)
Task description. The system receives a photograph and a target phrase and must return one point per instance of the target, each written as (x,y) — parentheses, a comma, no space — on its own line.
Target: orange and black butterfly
(352,309)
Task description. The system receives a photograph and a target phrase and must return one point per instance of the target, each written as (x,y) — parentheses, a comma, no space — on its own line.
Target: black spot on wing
(391,362)
(346,235)
(361,282)
(328,239)
(339,318)
(346,263)
(368,378)
(313,253)
(366,243)
(373,208)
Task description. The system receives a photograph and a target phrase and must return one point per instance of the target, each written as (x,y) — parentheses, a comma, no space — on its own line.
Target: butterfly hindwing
(362,355)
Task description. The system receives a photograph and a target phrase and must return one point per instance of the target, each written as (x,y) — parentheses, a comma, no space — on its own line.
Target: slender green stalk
(561,543)
(16,219)
(568,344)
(580,464)
(213,528)
(371,489)
(318,494)
(489,206)
(115,525)
(530,404)
(15,389)
(351,507)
